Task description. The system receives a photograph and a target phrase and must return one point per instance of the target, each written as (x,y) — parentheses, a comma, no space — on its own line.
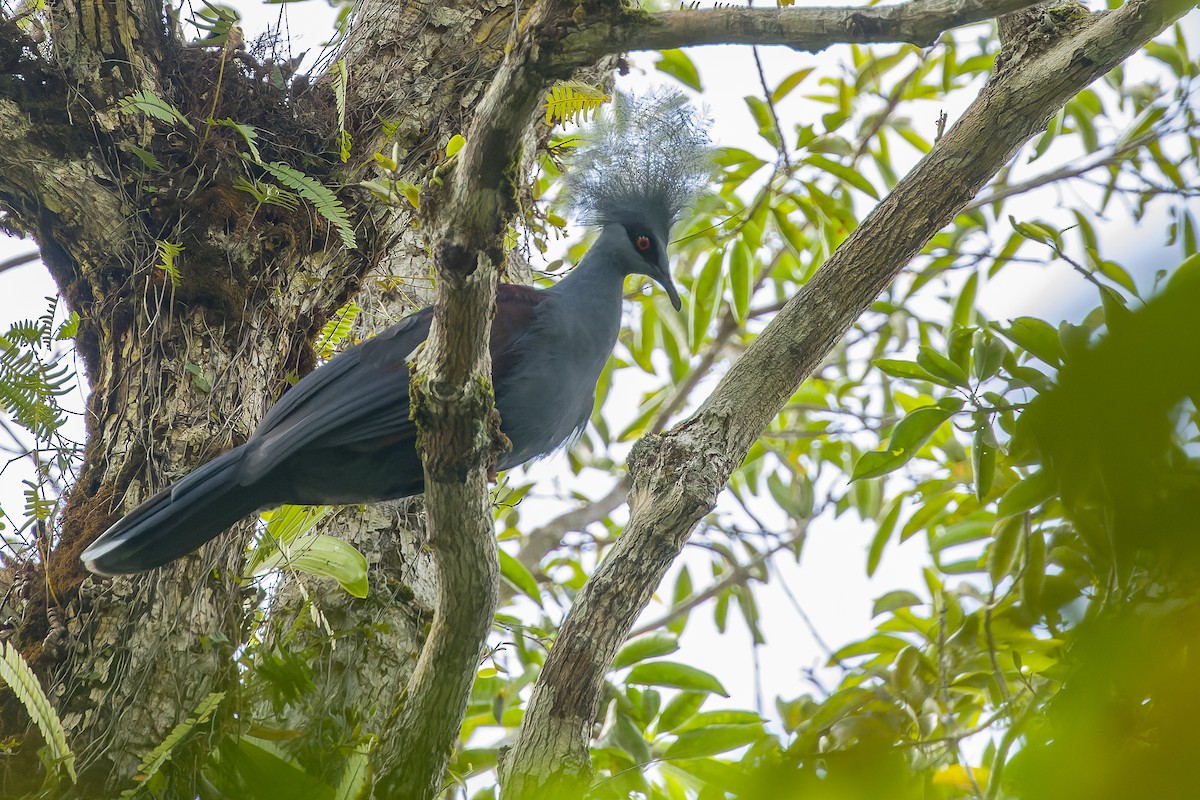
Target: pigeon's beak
(669,286)
(664,279)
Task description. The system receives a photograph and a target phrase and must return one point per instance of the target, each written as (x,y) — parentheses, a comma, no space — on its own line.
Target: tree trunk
(180,372)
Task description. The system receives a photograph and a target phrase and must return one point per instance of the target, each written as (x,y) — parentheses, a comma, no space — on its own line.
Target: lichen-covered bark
(178,373)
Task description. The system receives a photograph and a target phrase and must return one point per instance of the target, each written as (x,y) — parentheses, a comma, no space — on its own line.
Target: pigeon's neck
(591,294)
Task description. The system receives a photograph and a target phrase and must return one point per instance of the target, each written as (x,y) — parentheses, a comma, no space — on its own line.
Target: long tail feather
(177,520)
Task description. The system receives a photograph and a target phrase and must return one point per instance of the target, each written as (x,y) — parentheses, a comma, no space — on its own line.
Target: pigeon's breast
(546,398)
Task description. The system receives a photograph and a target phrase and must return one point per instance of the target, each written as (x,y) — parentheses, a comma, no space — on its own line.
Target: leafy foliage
(573,101)
(167,253)
(20,678)
(32,378)
(154,106)
(322,198)
(155,759)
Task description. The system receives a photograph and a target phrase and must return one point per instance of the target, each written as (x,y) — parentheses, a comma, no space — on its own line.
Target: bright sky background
(830,582)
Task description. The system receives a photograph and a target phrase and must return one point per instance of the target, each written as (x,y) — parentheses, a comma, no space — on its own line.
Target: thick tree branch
(677,476)
(453,405)
(811,29)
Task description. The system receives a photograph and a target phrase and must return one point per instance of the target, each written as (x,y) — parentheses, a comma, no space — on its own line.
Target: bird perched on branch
(343,434)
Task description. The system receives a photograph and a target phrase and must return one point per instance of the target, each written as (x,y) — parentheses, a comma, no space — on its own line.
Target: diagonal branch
(918,22)
(677,476)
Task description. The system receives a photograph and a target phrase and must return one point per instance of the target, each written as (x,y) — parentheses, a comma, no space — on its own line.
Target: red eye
(643,243)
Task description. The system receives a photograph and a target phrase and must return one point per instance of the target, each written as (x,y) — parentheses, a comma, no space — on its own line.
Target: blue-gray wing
(357,400)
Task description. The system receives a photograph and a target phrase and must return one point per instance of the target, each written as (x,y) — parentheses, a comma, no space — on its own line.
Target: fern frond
(337,329)
(341,78)
(20,678)
(36,506)
(322,198)
(31,382)
(573,101)
(69,328)
(167,251)
(154,760)
(267,193)
(154,106)
(249,134)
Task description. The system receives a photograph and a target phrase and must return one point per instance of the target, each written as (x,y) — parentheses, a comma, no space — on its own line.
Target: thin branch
(540,542)
(19,260)
(1063,173)
(738,576)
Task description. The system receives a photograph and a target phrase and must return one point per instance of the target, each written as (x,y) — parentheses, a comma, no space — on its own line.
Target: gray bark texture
(180,371)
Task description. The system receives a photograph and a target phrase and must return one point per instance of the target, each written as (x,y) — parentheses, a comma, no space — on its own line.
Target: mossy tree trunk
(179,371)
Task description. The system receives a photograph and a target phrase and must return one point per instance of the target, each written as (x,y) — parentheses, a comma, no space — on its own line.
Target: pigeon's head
(637,168)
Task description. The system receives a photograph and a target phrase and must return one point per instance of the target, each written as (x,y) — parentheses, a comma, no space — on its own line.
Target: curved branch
(453,404)
(918,22)
(677,476)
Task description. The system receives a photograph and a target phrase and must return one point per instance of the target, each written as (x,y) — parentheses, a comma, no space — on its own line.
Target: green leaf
(652,645)
(789,83)
(1027,494)
(154,760)
(455,144)
(741,278)
(683,591)
(966,301)
(325,557)
(1006,537)
(679,66)
(900,598)
(762,117)
(1141,126)
(703,306)
(154,106)
(908,370)
(1117,274)
(519,577)
(886,526)
(1036,336)
(1037,232)
(336,329)
(248,133)
(1033,576)
(987,356)
(320,196)
(941,366)
(16,673)
(712,740)
(876,463)
(148,159)
(844,173)
(909,435)
(679,676)
(965,532)
(254,768)
(983,460)
(681,709)
(69,328)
